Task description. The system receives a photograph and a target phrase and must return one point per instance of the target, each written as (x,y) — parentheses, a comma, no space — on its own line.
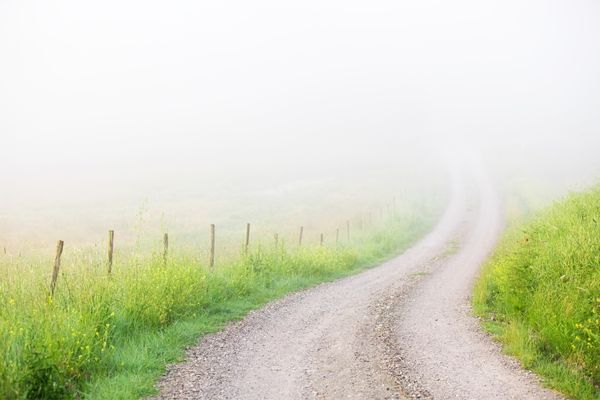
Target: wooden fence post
(348,229)
(337,236)
(321,239)
(300,236)
(276,240)
(211,261)
(111,242)
(247,238)
(165,248)
(59,250)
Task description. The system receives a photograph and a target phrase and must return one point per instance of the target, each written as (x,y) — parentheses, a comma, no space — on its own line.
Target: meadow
(540,293)
(110,336)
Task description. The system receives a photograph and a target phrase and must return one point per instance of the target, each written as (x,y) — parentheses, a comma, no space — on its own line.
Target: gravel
(401,330)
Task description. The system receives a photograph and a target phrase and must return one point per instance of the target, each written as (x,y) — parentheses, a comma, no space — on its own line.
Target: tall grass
(540,294)
(110,337)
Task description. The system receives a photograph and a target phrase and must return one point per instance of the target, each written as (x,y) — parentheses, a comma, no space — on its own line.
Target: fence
(360,225)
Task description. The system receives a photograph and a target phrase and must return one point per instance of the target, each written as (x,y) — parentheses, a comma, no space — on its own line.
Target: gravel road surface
(401,330)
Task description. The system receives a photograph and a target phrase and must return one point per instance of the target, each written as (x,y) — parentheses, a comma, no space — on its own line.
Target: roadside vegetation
(540,294)
(110,337)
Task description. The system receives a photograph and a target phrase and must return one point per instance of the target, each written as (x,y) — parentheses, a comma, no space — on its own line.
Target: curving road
(400,330)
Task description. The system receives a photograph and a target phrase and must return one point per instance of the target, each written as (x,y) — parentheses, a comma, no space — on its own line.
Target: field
(107,336)
(540,294)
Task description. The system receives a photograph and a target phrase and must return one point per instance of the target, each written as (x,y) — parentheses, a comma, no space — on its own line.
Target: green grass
(106,337)
(540,295)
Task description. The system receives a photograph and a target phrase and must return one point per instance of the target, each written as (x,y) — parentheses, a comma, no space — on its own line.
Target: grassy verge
(106,337)
(540,295)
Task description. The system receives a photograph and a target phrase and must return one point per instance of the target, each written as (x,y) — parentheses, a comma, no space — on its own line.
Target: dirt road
(400,330)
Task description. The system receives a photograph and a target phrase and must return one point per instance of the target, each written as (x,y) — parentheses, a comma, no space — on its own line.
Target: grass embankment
(540,295)
(106,337)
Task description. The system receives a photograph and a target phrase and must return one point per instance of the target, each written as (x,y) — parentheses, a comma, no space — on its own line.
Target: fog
(108,105)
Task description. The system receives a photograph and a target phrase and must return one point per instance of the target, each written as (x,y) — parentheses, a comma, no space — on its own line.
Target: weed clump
(543,288)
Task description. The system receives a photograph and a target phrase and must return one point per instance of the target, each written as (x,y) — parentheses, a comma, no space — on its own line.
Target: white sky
(98,90)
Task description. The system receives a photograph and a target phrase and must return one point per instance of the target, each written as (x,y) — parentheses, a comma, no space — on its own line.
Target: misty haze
(314,200)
